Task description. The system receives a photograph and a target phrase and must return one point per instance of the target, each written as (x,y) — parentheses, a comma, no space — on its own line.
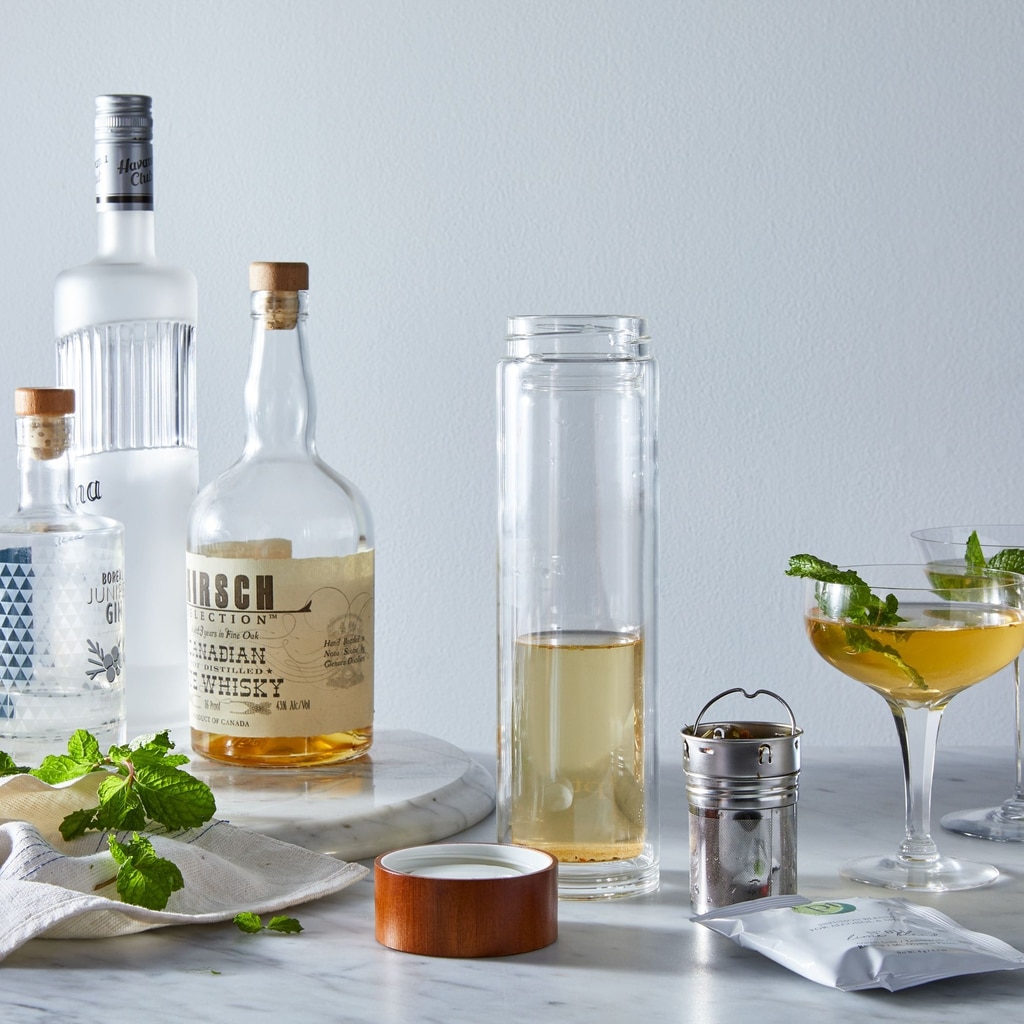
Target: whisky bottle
(125,326)
(279,569)
(61,597)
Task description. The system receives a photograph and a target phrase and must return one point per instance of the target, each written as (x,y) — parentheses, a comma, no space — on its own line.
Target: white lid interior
(467,861)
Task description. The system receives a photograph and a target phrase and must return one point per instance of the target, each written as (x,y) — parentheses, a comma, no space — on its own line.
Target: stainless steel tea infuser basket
(741,787)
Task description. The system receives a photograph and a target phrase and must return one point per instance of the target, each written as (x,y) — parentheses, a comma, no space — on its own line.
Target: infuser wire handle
(749,696)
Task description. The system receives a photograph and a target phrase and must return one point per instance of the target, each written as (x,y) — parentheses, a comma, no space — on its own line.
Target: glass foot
(987,823)
(941,875)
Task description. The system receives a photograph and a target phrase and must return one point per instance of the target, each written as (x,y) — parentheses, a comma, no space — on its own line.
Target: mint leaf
(1009,559)
(814,568)
(154,749)
(9,767)
(974,556)
(287,925)
(143,878)
(173,797)
(77,823)
(248,922)
(120,806)
(155,740)
(148,757)
(57,768)
(83,746)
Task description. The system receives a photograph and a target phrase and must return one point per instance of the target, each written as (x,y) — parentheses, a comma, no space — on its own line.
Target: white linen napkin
(48,887)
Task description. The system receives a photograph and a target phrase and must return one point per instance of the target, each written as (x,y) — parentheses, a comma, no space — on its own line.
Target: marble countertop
(638,959)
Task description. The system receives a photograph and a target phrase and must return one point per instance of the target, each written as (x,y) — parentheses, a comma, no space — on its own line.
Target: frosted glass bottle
(280,569)
(125,329)
(61,597)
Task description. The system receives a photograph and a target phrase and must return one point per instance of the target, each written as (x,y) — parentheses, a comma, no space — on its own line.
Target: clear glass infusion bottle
(577,599)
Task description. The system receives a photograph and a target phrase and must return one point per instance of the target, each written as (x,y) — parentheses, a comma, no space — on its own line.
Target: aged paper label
(280,646)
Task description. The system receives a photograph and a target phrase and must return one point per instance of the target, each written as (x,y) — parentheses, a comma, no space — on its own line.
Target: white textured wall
(817,205)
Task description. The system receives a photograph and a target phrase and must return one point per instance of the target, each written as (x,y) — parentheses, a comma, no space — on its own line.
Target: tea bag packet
(861,942)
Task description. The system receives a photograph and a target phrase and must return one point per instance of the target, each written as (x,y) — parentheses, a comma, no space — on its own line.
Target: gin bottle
(279,569)
(125,327)
(61,597)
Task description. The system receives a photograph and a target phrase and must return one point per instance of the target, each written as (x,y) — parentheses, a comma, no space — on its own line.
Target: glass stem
(918,730)
(1015,807)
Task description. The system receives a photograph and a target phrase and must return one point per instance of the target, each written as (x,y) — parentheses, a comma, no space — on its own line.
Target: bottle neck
(124,197)
(44,468)
(279,401)
(587,338)
(126,235)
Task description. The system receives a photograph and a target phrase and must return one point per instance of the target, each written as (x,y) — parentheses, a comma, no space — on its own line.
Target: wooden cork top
(44,401)
(43,424)
(278,277)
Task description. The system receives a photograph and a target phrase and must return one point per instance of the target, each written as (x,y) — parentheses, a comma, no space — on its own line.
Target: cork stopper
(44,424)
(278,277)
(275,288)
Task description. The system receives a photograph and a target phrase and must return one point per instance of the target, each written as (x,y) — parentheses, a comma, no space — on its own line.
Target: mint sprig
(144,785)
(252,924)
(862,608)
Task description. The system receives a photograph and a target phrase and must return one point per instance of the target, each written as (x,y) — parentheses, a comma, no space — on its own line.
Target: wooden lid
(466,899)
(44,401)
(278,277)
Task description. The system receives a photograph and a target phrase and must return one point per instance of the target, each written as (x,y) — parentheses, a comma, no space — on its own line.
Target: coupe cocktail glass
(948,544)
(951,629)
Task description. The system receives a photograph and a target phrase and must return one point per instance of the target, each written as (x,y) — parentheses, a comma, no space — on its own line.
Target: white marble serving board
(411,788)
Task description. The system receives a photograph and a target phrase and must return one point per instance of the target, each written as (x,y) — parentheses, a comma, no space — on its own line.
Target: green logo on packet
(824,909)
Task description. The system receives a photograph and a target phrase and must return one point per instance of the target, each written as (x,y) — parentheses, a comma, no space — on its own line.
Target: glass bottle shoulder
(302,500)
(58,521)
(110,289)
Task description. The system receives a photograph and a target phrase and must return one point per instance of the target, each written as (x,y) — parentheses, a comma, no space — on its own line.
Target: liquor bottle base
(46,721)
(283,751)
